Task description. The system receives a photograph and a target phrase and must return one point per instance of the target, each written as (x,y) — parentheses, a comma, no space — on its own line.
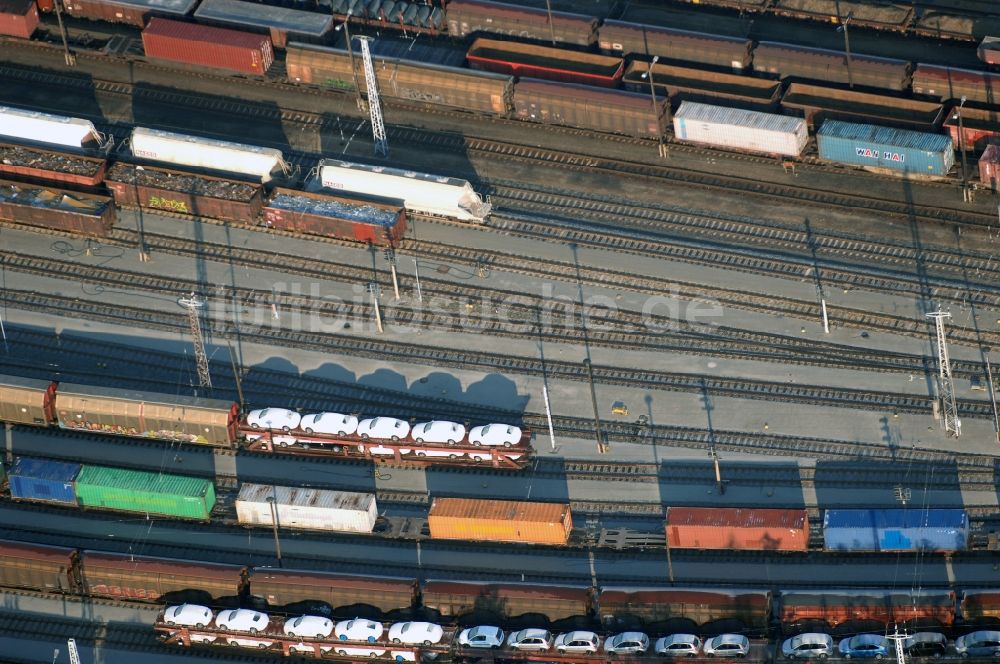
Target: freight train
(754,610)
(217,423)
(342,204)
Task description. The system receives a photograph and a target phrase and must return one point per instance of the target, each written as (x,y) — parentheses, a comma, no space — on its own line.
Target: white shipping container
(45,128)
(421,192)
(737,128)
(310,509)
(184,150)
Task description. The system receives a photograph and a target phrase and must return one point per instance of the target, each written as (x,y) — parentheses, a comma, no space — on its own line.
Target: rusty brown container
(949,83)
(500,520)
(406,80)
(26,400)
(989,168)
(702,85)
(838,606)
(702,606)
(624,38)
(147,415)
(978,605)
(207,46)
(62,168)
(545,62)
(36,567)
(56,209)
(817,104)
(150,579)
(750,529)
(380,221)
(282,587)
(584,107)
(187,193)
(820,64)
(18,18)
(454,599)
(467,17)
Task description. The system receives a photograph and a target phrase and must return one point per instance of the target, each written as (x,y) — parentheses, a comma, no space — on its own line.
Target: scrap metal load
(45,128)
(379,221)
(56,209)
(421,192)
(207,153)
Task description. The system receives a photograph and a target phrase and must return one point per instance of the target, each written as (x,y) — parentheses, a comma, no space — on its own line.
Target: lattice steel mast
(374,106)
(948,409)
(193,304)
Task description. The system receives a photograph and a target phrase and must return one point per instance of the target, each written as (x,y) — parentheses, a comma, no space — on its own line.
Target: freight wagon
(207,46)
(500,521)
(18,18)
(343,592)
(279,23)
(882,149)
(207,153)
(978,127)
(115,489)
(682,84)
(61,168)
(739,129)
(421,192)
(380,221)
(22,125)
(754,529)
(166,190)
(881,16)
(405,80)
(622,38)
(302,508)
(26,400)
(148,579)
(584,107)
(839,606)
(460,601)
(469,17)
(130,12)
(989,167)
(56,209)
(818,104)
(950,83)
(896,530)
(545,62)
(787,61)
(622,605)
(989,50)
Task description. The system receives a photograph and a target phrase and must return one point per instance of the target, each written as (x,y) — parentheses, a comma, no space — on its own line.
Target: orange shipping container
(500,521)
(739,529)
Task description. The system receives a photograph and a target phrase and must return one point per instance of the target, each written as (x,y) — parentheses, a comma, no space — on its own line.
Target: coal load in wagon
(15,155)
(229,190)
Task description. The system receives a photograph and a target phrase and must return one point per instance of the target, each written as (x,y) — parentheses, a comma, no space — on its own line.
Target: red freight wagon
(980,126)
(453,599)
(149,579)
(18,18)
(207,46)
(280,587)
(380,221)
(129,12)
(989,168)
(58,167)
(701,606)
(839,606)
(980,605)
(35,567)
(737,528)
(553,64)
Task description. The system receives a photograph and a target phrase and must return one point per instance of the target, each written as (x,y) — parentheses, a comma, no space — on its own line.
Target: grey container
(739,129)
(885,148)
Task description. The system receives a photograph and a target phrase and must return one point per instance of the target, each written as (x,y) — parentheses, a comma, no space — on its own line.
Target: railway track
(313,394)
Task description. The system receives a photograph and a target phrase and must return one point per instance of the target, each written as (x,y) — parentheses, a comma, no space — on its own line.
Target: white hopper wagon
(184,150)
(421,192)
(45,128)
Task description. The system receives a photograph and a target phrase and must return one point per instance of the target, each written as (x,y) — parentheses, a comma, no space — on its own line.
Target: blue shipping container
(922,529)
(43,480)
(883,147)
(896,530)
(849,530)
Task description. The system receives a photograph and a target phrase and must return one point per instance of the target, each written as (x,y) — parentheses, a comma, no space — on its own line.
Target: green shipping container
(147,493)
